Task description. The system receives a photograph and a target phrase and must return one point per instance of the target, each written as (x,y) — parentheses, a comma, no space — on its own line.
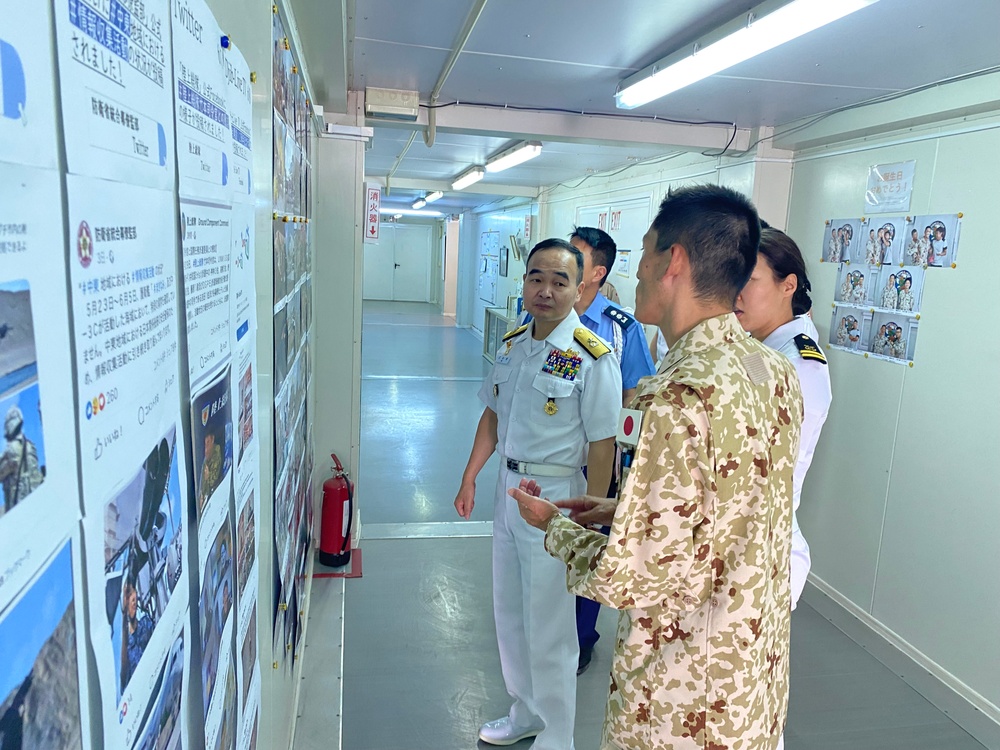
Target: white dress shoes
(503,732)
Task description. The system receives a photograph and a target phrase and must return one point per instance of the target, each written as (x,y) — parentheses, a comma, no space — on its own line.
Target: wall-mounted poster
(888,235)
(44,676)
(39,490)
(27,100)
(932,241)
(889,187)
(116,81)
(847,327)
(892,336)
(162,730)
(240,104)
(856,284)
(899,288)
(842,240)
(204,134)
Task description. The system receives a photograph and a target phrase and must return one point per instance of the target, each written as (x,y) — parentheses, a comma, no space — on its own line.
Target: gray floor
(421,670)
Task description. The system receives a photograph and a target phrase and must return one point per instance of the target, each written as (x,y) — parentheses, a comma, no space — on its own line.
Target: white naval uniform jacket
(587,403)
(814,377)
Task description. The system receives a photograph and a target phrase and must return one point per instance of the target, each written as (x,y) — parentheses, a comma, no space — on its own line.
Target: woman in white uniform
(774,307)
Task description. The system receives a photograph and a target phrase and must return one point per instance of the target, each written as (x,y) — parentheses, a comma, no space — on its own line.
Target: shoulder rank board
(620,317)
(594,346)
(808,348)
(515,332)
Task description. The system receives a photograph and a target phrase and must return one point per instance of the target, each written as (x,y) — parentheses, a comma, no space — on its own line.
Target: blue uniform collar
(596,308)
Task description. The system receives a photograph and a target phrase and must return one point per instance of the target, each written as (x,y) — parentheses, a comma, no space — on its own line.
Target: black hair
(558,244)
(785,258)
(720,230)
(603,249)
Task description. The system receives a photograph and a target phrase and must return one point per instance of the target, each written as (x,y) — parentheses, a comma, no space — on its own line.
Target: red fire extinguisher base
(332,560)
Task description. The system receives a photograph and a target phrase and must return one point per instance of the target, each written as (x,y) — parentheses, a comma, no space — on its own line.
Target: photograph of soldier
(939,235)
(898,339)
(906,300)
(280,349)
(918,247)
(846,327)
(889,297)
(245,544)
(279,80)
(226,739)
(216,603)
(848,278)
(248,654)
(290,173)
(293,254)
(143,557)
(280,262)
(39,686)
(212,438)
(163,727)
(891,235)
(246,410)
(872,250)
(842,240)
(22,462)
(278,165)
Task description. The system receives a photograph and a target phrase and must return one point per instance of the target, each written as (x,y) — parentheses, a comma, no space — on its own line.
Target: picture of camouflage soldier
(21,472)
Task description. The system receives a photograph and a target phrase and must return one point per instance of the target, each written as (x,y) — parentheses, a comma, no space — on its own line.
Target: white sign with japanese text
(124,292)
(238,101)
(207,249)
(204,136)
(373,207)
(27,100)
(116,79)
(889,187)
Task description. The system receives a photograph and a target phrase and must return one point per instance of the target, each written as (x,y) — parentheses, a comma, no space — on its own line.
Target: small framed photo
(514,248)
(503,261)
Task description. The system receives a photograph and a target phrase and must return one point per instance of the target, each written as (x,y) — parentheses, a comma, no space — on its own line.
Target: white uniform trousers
(535,617)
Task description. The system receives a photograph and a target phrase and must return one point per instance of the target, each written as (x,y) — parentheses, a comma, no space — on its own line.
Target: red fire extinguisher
(338,512)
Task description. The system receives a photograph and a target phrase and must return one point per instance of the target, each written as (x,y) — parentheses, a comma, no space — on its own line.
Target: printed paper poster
(27,96)
(240,105)
(204,134)
(44,675)
(38,458)
(116,79)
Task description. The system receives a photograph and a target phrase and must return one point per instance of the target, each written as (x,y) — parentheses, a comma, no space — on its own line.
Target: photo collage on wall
(292,289)
(884,263)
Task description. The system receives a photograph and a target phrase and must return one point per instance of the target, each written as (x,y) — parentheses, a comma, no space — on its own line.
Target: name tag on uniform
(503,359)
(629,425)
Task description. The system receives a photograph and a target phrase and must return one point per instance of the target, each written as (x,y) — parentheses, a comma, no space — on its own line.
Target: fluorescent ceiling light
(419,203)
(517,154)
(408,212)
(767,26)
(431,197)
(469,177)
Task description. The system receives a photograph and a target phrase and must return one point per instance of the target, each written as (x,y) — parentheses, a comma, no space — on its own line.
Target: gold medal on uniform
(550,407)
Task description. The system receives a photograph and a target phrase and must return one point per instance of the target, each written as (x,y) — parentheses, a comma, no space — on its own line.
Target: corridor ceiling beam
(480,188)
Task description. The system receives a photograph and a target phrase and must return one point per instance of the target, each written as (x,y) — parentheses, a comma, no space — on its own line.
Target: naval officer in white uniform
(552,403)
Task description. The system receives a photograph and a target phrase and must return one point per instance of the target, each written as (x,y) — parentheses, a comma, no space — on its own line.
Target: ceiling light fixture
(469,177)
(431,197)
(419,203)
(767,26)
(408,212)
(516,154)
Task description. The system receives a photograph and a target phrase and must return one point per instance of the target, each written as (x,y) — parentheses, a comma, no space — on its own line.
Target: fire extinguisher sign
(373,204)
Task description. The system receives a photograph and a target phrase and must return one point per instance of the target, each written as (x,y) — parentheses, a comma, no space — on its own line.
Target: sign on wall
(373,206)
(889,187)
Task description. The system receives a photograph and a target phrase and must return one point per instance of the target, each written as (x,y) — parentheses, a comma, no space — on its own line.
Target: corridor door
(399,266)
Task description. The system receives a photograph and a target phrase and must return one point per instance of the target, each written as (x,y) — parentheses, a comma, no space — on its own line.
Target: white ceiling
(570,55)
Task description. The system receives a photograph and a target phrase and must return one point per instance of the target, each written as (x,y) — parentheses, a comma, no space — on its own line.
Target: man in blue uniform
(628,341)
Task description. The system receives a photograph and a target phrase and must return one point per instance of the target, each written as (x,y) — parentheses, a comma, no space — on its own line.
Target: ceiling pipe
(399,160)
(463,38)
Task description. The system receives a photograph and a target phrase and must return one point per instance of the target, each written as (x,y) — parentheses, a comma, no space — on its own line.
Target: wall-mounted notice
(116,80)
(200,87)
(27,99)
(44,653)
(207,247)
(889,187)
(162,728)
(240,106)
(373,207)
(124,301)
(38,464)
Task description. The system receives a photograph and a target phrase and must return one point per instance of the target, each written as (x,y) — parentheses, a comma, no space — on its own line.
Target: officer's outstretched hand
(537,511)
(465,501)
(588,510)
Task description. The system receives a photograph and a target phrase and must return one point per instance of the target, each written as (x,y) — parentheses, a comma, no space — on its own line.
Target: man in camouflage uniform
(699,554)
(19,469)
(211,469)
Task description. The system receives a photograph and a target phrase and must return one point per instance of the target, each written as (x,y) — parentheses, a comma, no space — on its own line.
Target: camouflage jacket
(20,473)
(698,556)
